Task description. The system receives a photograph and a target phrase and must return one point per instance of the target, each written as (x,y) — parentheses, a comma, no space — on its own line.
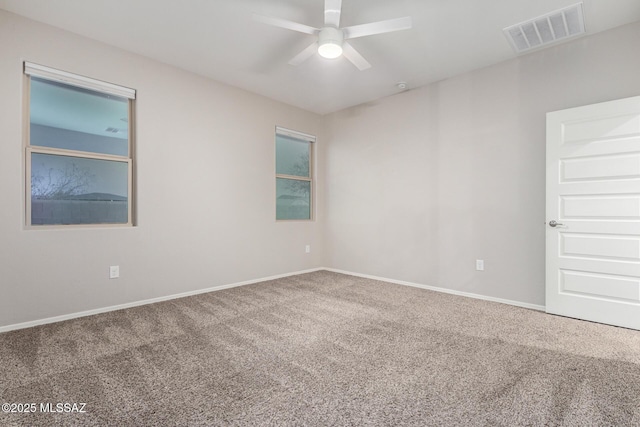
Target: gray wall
(421,184)
(205,180)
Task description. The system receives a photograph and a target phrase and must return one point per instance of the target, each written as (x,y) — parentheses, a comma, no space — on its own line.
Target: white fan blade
(352,55)
(305,54)
(377,27)
(332,10)
(284,23)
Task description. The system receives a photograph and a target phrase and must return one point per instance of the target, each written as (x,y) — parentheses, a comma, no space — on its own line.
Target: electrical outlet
(307,249)
(114,272)
(480,265)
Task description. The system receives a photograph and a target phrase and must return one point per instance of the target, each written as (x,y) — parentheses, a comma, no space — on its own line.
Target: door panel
(600,246)
(601,127)
(595,206)
(593,192)
(600,168)
(603,285)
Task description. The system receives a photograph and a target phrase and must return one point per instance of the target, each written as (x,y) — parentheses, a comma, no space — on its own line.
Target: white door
(593,194)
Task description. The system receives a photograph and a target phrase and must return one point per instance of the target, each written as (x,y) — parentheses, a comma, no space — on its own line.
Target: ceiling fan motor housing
(330,42)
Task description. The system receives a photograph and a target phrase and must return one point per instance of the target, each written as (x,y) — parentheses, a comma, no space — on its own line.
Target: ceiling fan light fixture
(330,50)
(331,39)
(330,42)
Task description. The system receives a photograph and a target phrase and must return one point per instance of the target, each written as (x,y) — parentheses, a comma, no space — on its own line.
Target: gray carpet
(324,349)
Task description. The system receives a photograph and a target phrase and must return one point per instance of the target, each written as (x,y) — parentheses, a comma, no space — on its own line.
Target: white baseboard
(250,282)
(444,290)
(145,302)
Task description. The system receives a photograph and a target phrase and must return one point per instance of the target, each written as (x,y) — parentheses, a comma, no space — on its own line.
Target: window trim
(310,179)
(37,70)
(295,134)
(51,74)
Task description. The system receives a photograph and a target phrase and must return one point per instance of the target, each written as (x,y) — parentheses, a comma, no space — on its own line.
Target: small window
(78,148)
(294,182)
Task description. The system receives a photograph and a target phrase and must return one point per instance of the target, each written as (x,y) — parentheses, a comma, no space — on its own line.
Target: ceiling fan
(331,39)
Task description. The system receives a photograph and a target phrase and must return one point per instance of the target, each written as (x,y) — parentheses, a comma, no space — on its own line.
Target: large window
(78,149)
(294,182)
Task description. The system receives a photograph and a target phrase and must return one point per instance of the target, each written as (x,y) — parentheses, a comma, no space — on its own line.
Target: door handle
(554,223)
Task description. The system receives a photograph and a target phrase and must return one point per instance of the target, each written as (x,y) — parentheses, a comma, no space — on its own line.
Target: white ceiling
(219,39)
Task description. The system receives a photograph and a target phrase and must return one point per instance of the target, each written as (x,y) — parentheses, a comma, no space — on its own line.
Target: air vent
(547,29)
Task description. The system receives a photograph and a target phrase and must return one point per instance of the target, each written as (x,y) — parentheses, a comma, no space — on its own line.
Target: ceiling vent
(547,29)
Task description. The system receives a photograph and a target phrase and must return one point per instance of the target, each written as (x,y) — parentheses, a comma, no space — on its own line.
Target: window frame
(310,179)
(51,74)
